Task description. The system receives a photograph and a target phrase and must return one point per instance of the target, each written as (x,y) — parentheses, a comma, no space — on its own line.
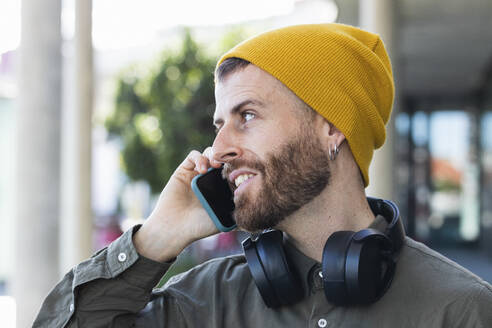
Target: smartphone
(216,197)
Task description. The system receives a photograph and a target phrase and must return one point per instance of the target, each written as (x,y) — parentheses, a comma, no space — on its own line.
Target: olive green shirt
(114,288)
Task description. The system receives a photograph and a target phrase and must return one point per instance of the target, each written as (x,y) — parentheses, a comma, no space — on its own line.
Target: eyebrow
(237,108)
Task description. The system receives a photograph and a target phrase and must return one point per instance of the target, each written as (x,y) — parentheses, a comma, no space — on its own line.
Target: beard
(292,177)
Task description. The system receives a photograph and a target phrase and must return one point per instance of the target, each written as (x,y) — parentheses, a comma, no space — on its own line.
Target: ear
(330,136)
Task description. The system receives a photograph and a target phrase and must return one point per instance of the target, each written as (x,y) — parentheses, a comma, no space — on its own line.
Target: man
(299,112)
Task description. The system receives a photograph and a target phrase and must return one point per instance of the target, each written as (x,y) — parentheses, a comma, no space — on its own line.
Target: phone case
(207,207)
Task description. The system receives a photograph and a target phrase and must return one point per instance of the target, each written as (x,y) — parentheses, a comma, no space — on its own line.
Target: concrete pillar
(38,157)
(411,217)
(76,217)
(377,16)
(472,180)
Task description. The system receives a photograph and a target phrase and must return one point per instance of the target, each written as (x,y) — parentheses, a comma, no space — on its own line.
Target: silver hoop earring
(333,154)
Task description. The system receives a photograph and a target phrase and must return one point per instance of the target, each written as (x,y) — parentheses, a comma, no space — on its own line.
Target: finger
(196,161)
(209,153)
(189,162)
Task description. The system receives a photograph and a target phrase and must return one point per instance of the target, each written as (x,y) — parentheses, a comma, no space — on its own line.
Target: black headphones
(357,267)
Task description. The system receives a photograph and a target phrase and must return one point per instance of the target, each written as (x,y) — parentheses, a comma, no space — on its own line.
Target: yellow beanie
(342,72)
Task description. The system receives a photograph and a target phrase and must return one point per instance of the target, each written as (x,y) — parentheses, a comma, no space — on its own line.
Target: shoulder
(431,290)
(202,293)
(228,266)
(230,272)
(421,261)
(428,280)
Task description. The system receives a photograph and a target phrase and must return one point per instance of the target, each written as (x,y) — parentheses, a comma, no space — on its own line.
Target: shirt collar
(302,264)
(305,267)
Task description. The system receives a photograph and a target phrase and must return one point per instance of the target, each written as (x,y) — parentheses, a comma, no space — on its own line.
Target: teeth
(240,179)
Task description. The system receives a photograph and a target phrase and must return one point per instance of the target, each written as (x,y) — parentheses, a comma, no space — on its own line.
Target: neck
(341,206)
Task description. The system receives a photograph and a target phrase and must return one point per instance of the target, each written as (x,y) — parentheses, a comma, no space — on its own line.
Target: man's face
(273,157)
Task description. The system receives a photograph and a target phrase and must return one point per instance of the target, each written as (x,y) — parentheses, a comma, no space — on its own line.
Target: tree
(162,116)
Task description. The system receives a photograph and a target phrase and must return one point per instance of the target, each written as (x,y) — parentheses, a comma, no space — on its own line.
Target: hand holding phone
(178,219)
(216,198)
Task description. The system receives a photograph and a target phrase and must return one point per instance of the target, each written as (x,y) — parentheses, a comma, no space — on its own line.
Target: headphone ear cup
(272,272)
(356,267)
(333,267)
(366,266)
(255,266)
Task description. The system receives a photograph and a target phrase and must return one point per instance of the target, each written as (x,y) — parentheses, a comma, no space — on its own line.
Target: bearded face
(290,178)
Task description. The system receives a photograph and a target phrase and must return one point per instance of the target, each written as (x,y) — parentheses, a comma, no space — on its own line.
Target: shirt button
(71,307)
(122,257)
(322,323)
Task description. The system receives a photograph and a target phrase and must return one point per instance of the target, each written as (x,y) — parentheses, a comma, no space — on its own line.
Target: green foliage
(446,185)
(160,117)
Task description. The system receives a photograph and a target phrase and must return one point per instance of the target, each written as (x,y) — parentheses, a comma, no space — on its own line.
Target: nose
(226,145)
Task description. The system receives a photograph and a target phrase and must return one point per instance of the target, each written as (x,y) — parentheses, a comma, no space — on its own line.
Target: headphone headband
(395,230)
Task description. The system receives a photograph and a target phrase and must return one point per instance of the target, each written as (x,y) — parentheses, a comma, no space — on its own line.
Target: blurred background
(100,101)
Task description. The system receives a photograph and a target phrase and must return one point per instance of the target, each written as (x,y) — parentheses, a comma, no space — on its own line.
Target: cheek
(273,136)
(268,136)
(259,142)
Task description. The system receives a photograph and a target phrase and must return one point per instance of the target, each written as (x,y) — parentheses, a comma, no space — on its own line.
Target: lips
(240,177)
(243,185)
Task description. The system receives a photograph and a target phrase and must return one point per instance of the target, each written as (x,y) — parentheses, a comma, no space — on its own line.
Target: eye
(248,116)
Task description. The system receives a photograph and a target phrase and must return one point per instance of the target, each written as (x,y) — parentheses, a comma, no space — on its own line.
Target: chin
(253,220)
(247,226)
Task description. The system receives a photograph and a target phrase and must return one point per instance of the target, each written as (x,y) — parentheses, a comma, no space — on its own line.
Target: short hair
(233,64)
(229,66)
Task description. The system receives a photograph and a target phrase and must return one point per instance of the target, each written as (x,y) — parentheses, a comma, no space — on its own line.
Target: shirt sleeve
(107,290)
